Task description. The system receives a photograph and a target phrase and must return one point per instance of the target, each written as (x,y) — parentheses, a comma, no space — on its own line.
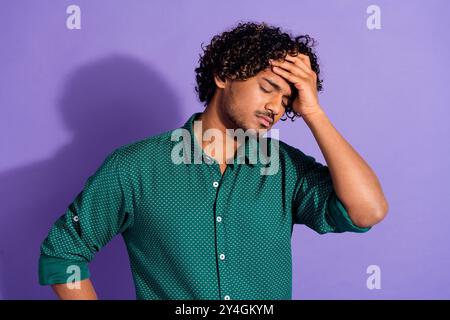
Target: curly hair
(244,51)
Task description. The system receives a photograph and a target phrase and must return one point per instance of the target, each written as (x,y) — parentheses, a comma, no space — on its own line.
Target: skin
(85,292)
(237,103)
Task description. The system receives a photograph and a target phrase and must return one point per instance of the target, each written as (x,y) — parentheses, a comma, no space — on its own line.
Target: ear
(219,82)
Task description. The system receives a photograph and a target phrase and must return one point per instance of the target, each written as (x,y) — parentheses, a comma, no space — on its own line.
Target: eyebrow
(276,86)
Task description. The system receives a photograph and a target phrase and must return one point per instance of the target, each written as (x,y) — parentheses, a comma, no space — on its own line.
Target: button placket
(221,248)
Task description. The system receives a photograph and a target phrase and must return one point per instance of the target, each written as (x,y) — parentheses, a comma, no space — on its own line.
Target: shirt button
(227,297)
(75,218)
(215,184)
(222,257)
(219,219)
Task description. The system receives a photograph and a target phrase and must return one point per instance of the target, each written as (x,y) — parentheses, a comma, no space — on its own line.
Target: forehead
(275,78)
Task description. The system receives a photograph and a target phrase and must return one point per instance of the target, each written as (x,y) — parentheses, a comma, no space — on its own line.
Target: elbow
(382,211)
(372,216)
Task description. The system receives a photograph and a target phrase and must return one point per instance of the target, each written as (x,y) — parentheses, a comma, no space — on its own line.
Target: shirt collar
(250,153)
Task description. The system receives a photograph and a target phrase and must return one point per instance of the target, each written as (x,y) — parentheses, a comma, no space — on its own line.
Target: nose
(274,108)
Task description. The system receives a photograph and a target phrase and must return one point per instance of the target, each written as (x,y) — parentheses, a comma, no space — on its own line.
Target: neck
(211,119)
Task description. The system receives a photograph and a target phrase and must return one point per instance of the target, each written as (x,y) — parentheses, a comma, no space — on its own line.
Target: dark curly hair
(246,50)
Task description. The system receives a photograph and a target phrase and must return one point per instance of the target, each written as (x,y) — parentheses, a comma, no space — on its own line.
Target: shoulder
(145,150)
(293,159)
(288,152)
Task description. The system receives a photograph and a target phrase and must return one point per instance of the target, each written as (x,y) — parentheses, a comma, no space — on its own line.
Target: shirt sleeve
(100,211)
(316,203)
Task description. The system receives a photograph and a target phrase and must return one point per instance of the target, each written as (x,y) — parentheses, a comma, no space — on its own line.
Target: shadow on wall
(105,104)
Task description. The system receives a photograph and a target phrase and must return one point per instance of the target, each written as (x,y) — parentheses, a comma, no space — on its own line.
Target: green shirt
(191,232)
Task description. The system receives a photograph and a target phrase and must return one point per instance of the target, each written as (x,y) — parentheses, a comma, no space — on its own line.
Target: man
(213,226)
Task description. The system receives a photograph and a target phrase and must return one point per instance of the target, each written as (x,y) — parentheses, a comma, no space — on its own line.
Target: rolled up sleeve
(99,212)
(316,203)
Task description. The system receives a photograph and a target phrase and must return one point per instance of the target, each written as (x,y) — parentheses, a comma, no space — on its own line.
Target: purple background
(68,97)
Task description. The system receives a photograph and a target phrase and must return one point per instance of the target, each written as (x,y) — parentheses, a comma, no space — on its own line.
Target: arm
(354,181)
(85,291)
(100,211)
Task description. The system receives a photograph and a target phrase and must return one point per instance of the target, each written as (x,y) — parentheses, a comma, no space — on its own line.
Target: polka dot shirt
(191,231)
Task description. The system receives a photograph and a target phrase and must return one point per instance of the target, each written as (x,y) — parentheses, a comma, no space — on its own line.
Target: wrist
(314,116)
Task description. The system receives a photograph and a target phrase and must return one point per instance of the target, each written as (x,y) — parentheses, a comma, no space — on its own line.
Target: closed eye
(266,91)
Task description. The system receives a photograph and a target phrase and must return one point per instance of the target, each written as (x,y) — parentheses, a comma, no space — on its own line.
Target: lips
(266,121)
